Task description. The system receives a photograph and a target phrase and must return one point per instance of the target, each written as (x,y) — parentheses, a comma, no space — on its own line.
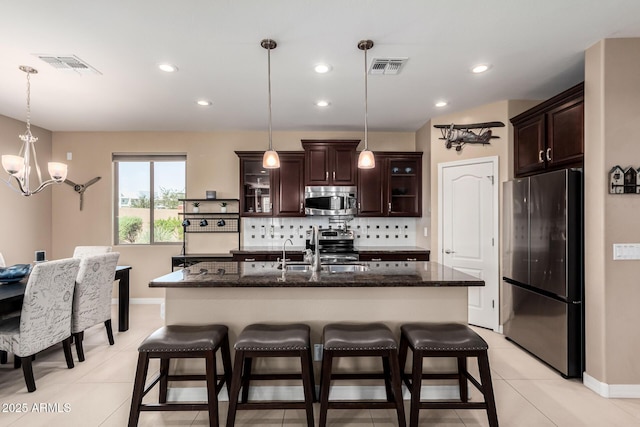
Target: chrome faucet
(284,259)
(284,253)
(316,251)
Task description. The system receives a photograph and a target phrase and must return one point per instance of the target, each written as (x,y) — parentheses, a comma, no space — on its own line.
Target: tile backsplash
(368,231)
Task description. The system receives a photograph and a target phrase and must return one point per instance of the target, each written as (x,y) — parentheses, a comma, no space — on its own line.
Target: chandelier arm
(35,160)
(44,185)
(20,190)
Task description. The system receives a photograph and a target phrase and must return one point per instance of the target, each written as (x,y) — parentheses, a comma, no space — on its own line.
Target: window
(147,189)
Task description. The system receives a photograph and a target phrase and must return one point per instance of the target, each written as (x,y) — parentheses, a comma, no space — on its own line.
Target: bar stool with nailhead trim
(446,340)
(182,341)
(271,340)
(361,340)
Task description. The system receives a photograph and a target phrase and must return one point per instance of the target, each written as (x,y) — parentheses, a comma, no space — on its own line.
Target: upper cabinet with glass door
(393,187)
(255,185)
(271,192)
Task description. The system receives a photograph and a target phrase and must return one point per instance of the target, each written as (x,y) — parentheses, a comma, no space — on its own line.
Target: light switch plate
(626,251)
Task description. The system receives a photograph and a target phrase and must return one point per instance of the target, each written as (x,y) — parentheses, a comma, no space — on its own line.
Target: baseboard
(611,391)
(157,301)
(258,393)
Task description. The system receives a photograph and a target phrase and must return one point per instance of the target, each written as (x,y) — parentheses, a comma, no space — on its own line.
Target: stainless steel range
(335,245)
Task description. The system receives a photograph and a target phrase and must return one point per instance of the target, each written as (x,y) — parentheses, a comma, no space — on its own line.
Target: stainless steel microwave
(330,201)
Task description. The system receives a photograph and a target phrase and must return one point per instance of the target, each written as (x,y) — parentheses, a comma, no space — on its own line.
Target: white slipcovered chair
(82,251)
(92,297)
(45,319)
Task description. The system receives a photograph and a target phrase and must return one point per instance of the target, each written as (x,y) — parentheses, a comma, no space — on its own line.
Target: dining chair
(82,251)
(92,297)
(45,319)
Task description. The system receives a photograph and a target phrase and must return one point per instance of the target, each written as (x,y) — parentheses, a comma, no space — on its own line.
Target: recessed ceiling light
(322,68)
(168,68)
(480,68)
(441,104)
(204,102)
(322,103)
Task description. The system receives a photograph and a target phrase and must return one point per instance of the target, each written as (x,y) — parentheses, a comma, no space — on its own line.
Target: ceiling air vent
(387,65)
(68,63)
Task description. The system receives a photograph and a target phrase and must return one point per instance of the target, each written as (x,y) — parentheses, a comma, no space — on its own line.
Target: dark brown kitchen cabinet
(393,255)
(288,187)
(330,162)
(393,187)
(258,256)
(371,189)
(271,192)
(550,135)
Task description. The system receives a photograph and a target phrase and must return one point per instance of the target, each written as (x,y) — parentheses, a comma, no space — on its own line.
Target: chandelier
(19,167)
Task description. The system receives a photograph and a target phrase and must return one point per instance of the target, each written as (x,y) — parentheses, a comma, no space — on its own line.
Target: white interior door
(468,231)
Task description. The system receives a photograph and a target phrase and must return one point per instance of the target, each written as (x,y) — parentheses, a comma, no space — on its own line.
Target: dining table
(12,294)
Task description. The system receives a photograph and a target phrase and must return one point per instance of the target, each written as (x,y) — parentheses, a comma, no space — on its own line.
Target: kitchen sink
(344,268)
(328,268)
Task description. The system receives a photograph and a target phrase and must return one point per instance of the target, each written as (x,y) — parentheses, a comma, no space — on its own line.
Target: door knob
(449,251)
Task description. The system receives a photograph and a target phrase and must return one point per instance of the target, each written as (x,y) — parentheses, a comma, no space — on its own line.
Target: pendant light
(366,160)
(19,167)
(270,160)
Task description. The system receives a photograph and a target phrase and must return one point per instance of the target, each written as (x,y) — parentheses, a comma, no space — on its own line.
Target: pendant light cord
(366,126)
(269,74)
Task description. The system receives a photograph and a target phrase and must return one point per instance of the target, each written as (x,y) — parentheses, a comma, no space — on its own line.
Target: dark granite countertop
(266,274)
(300,249)
(266,249)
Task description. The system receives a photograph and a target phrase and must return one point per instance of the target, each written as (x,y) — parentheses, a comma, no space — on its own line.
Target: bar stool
(361,340)
(181,341)
(446,340)
(271,340)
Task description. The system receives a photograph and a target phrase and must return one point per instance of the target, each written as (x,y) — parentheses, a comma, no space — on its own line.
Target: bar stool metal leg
(235,388)
(212,391)
(325,384)
(138,389)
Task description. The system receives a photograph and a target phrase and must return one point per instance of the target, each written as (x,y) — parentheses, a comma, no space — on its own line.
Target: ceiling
(535,48)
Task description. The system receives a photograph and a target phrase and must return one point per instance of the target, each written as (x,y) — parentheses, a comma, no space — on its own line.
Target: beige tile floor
(97,392)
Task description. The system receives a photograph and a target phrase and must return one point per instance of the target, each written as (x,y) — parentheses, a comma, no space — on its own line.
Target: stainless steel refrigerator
(543,268)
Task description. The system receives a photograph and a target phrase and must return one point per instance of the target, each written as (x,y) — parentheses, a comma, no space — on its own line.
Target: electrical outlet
(426,232)
(317,352)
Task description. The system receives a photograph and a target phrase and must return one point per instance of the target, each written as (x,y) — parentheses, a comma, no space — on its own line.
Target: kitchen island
(240,293)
